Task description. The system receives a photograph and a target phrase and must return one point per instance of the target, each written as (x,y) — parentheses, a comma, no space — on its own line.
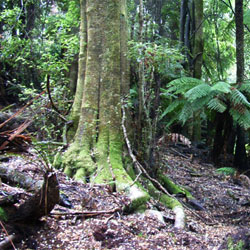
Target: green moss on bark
(77,162)
(172,187)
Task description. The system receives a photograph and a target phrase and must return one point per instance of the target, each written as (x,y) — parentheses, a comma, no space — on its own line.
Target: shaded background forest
(183,72)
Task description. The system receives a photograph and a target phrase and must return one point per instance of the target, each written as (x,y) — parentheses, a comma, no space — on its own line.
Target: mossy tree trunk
(96,152)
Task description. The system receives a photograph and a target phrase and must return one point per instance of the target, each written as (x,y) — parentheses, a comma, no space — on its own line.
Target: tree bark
(76,108)
(240,160)
(96,153)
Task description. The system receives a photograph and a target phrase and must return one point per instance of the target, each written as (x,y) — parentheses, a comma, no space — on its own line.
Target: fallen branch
(135,162)
(21,110)
(175,206)
(86,213)
(10,175)
(8,240)
(16,133)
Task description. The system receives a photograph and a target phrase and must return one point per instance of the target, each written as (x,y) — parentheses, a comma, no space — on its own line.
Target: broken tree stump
(41,203)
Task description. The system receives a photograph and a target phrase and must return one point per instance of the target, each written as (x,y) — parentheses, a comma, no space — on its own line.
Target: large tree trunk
(96,152)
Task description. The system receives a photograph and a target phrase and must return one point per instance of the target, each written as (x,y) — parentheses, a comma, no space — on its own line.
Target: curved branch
(51,100)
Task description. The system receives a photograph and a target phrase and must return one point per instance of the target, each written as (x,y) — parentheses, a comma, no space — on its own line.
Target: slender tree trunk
(239,41)
(183,14)
(141,73)
(240,160)
(197,59)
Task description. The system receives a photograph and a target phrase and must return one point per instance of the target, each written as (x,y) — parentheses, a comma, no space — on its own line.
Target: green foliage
(235,246)
(28,54)
(222,87)
(182,85)
(31,52)
(187,95)
(198,91)
(226,171)
(247,17)
(3,215)
(217,104)
(245,87)
(158,57)
(237,97)
(219,39)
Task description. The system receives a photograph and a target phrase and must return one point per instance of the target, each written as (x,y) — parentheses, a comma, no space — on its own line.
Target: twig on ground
(87,213)
(8,240)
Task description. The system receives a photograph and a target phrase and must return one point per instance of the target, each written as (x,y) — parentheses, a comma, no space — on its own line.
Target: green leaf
(182,85)
(217,105)
(223,87)
(3,215)
(226,171)
(198,92)
(242,119)
(245,87)
(185,114)
(238,97)
(174,105)
(247,17)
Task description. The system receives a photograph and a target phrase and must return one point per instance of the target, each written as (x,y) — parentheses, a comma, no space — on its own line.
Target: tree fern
(198,91)
(217,105)
(171,107)
(199,103)
(182,85)
(237,97)
(245,87)
(192,95)
(185,114)
(222,87)
(242,119)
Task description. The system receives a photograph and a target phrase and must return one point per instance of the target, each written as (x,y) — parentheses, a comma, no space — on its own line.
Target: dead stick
(87,213)
(22,109)
(8,240)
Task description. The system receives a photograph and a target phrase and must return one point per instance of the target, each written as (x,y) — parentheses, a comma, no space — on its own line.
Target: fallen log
(41,203)
(12,176)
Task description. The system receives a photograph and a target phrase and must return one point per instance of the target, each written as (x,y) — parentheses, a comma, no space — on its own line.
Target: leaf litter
(226,203)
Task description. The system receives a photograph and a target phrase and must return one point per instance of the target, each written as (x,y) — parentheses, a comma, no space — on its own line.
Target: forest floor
(226,202)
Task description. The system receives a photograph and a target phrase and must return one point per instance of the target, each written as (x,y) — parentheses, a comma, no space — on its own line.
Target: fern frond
(238,97)
(182,85)
(185,114)
(242,119)
(245,87)
(217,105)
(171,107)
(223,87)
(200,103)
(198,91)
(169,123)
